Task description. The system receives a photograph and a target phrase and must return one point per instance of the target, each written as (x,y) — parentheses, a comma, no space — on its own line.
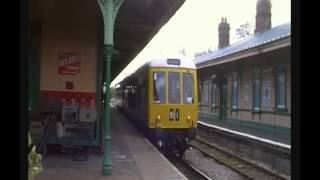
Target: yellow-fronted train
(161,99)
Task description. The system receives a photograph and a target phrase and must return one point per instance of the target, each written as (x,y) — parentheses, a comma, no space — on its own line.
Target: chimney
(224,34)
(263,16)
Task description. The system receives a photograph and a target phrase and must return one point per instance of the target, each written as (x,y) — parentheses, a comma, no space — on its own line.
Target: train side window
(187,88)
(174,87)
(159,87)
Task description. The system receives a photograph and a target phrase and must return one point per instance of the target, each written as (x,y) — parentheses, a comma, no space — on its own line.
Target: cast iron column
(106,158)
(109,10)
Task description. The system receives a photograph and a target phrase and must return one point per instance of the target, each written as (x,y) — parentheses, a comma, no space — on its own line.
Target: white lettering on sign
(68,63)
(170,115)
(69,60)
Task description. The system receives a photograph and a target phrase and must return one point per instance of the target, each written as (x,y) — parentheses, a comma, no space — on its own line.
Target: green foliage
(35,166)
(244,30)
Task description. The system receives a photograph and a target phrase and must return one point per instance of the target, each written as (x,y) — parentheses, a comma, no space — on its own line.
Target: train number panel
(173,114)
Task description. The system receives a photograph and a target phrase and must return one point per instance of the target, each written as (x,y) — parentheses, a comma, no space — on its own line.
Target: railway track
(248,170)
(188,170)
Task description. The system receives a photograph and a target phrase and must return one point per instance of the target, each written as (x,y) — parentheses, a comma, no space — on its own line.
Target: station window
(199,91)
(159,90)
(281,88)
(174,87)
(187,88)
(256,89)
(234,91)
(214,94)
(206,92)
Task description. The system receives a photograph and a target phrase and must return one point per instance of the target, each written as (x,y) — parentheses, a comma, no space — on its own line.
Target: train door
(223,101)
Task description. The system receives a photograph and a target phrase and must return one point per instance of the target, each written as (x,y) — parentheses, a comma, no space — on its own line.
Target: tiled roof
(276,33)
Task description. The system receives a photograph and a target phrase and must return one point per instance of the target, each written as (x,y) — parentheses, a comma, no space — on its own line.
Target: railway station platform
(272,134)
(132,156)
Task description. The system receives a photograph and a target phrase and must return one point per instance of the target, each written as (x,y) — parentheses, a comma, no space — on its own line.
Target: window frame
(235,78)
(281,68)
(214,94)
(192,87)
(206,88)
(256,75)
(168,82)
(165,87)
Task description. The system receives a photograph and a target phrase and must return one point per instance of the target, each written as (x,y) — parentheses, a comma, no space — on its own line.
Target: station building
(248,83)
(75,49)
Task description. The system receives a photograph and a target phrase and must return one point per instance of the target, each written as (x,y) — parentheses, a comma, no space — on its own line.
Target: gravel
(211,167)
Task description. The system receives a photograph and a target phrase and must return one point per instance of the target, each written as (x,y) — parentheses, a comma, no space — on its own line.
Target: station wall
(268,114)
(69,40)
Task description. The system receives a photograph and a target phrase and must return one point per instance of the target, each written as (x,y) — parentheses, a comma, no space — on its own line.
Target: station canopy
(137,22)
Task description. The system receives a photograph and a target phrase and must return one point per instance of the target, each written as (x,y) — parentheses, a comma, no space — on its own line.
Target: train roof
(172,62)
(177,62)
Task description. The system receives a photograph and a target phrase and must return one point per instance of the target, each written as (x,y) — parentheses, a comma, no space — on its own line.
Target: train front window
(158,87)
(187,88)
(174,87)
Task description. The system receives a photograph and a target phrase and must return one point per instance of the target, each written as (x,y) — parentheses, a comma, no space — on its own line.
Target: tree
(209,50)
(244,30)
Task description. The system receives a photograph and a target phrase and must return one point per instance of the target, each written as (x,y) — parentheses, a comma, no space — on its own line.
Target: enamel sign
(68,63)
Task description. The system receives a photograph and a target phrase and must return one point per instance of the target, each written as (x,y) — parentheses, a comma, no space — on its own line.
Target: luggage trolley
(75,130)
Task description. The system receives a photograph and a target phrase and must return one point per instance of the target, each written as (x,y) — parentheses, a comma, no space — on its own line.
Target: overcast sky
(194,27)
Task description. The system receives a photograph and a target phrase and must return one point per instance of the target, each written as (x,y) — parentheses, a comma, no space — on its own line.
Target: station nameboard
(68,63)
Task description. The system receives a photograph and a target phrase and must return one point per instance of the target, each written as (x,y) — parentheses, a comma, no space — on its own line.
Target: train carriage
(161,98)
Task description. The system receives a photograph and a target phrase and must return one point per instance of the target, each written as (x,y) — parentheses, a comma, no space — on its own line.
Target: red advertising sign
(68,63)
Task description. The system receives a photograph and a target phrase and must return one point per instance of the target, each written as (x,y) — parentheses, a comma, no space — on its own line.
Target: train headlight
(188,119)
(158,121)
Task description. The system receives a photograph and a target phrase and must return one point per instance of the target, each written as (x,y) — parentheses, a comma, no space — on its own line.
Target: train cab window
(159,87)
(187,88)
(174,87)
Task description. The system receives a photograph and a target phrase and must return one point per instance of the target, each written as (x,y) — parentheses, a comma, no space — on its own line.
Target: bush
(35,166)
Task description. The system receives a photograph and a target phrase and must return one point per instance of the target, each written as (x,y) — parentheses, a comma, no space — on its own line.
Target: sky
(194,27)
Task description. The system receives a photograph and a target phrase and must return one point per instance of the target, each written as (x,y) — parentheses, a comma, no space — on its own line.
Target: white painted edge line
(203,174)
(165,158)
(112,105)
(247,135)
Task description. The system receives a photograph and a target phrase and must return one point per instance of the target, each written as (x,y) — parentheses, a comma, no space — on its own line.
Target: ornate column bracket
(109,9)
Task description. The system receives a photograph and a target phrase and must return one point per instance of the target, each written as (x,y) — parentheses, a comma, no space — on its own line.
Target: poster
(266,93)
(68,63)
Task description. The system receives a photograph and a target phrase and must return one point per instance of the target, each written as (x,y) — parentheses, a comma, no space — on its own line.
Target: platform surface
(259,133)
(132,156)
